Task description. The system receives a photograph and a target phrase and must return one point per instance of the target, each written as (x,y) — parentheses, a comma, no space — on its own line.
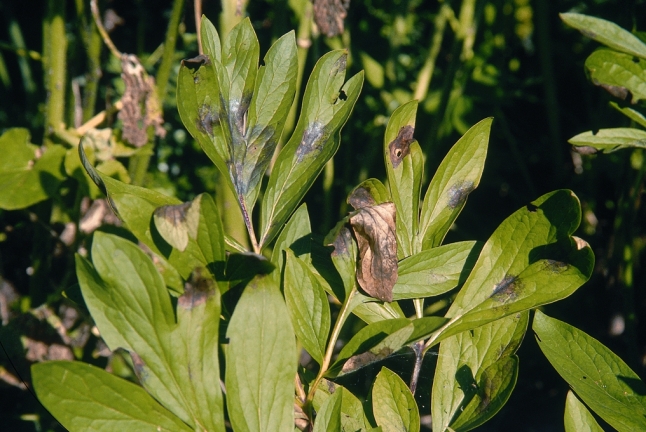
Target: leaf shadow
(635,384)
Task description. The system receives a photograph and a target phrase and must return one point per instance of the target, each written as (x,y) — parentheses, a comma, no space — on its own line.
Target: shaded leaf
(327,103)
(404,166)
(456,177)
(308,306)
(176,223)
(435,271)
(344,257)
(353,416)
(618,73)
(577,417)
(84,397)
(598,376)
(606,32)
(476,372)
(329,415)
(609,140)
(261,360)
(393,405)
(295,236)
(374,229)
(632,114)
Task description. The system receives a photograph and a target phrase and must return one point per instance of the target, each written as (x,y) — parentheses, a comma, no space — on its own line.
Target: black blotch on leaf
(207,119)
(196,62)
(197,290)
(342,95)
(399,148)
(531,207)
(507,289)
(617,91)
(458,193)
(635,59)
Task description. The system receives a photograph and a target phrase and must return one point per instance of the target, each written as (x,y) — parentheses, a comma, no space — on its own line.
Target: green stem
(92,41)
(168,58)
(345,311)
(54,53)
(426,73)
(232,13)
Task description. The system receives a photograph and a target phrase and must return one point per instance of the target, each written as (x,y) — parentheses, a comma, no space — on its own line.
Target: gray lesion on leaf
(196,62)
(139,367)
(399,148)
(312,142)
(197,290)
(486,389)
(555,266)
(207,119)
(360,360)
(361,197)
(617,91)
(174,214)
(507,290)
(458,193)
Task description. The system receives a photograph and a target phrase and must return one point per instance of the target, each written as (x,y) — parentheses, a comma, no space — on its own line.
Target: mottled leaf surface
(622,75)
(393,405)
(435,271)
(405,167)
(598,376)
(83,397)
(176,362)
(375,231)
(475,374)
(261,360)
(606,32)
(327,103)
(456,177)
(609,140)
(577,418)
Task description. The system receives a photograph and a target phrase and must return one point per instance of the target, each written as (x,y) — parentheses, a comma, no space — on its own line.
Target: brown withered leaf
(374,228)
(399,148)
(329,16)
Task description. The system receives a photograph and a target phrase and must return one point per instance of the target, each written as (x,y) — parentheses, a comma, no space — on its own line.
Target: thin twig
(198,25)
(104,33)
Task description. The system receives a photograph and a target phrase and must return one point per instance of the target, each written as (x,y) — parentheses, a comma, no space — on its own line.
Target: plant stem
(426,73)
(340,320)
(198,25)
(232,13)
(55,51)
(168,58)
(418,348)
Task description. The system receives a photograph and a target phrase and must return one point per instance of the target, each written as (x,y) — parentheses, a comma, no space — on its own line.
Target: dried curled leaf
(329,16)
(374,228)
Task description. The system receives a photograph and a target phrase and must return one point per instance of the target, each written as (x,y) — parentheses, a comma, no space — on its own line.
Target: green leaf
(475,374)
(327,103)
(597,375)
(176,223)
(353,416)
(606,32)
(632,114)
(84,397)
(609,140)
(128,300)
(405,167)
(329,416)
(25,178)
(457,176)
(371,311)
(370,192)
(618,73)
(435,271)
(210,40)
(261,360)
(393,404)
(344,257)
(307,305)
(296,236)
(577,417)
(530,260)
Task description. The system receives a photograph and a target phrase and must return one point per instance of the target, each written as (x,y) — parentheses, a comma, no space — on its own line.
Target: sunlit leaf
(84,397)
(353,416)
(329,415)
(577,418)
(622,75)
(609,140)
(393,405)
(598,376)
(370,192)
(632,114)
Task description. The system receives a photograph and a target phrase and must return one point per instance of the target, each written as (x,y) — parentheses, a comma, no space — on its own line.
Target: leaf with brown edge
(374,228)
(176,223)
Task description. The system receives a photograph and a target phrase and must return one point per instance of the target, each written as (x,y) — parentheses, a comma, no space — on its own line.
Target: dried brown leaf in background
(374,228)
(329,16)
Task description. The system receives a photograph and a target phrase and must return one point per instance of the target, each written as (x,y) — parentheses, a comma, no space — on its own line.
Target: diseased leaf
(476,372)
(393,404)
(598,376)
(404,166)
(344,256)
(84,397)
(609,140)
(577,417)
(435,271)
(369,193)
(606,32)
(456,177)
(374,229)
(176,362)
(622,75)
(261,360)
(530,260)
(329,415)
(308,306)
(327,103)
(176,223)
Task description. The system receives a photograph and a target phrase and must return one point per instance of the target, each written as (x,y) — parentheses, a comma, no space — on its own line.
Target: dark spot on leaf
(507,289)
(487,388)
(374,229)
(531,207)
(399,148)
(197,290)
(139,367)
(361,197)
(174,214)
(341,241)
(340,65)
(196,62)
(360,360)
(585,377)
(196,79)
(458,193)
(207,119)
(312,141)
(556,266)
(635,59)
(342,95)
(331,387)
(585,150)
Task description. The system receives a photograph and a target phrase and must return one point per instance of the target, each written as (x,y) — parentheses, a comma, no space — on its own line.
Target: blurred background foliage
(463,59)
